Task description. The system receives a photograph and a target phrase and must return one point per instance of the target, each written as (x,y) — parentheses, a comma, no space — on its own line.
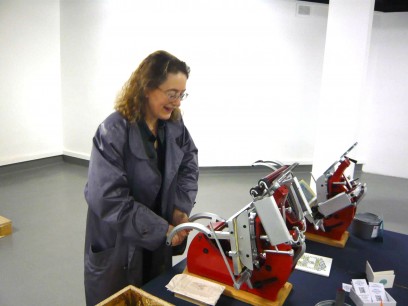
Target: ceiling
(387,6)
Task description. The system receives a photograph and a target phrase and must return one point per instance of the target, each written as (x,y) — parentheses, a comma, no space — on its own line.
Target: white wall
(30,94)
(384,128)
(342,88)
(255,79)
(86,98)
(254,88)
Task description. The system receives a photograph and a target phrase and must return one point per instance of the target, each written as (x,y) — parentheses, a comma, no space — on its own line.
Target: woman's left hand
(179,217)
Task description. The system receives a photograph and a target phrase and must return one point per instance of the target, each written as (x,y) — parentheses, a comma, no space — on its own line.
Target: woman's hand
(179,217)
(179,237)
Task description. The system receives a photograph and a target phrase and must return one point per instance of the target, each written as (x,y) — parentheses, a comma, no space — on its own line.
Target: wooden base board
(332,242)
(251,298)
(192,301)
(5,227)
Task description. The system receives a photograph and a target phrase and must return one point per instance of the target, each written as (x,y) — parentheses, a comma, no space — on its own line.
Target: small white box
(383,277)
(356,299)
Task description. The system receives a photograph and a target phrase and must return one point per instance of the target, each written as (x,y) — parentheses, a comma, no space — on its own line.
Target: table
(308,289)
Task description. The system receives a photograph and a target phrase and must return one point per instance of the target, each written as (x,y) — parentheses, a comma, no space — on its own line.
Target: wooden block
(332,242)
(5,227)
(248,297)
(188,299)
(132,295)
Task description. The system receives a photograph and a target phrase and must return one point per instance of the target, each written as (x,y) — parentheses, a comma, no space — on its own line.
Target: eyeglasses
(173,96)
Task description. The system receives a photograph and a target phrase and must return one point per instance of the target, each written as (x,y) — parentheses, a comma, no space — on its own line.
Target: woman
(142,180)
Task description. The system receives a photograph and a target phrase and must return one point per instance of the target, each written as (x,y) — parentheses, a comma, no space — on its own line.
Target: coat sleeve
(108,194)
(187,178)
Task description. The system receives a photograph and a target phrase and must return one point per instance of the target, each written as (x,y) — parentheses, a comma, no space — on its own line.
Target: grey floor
(41,262)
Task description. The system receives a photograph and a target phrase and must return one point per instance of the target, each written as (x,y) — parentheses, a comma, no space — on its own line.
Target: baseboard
(22,158)
(31,164)
(75,160)
(85,162)
(249,169)
(77,155)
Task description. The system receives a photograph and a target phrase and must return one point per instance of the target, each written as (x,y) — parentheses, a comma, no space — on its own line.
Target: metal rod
(280,252)
(206,215)
(223,256)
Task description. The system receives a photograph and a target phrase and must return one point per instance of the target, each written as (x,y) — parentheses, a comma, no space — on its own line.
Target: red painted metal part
(338,177)
(204,259)
(336,224)
(291,220)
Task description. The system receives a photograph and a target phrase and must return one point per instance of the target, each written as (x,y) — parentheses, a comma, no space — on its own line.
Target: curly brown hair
(151,73)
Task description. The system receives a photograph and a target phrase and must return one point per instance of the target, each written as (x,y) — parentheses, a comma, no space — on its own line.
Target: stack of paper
(195,290)
(360,287)
(314,264)
(377,292)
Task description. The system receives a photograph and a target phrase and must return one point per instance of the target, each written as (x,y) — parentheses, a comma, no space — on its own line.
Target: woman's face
(163,100)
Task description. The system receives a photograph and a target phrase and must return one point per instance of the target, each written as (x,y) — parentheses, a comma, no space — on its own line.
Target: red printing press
(254,250)
(257,248)
(337,198)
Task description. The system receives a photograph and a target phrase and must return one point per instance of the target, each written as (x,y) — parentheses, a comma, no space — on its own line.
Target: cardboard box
(133,296)
(356,299)
(5,227)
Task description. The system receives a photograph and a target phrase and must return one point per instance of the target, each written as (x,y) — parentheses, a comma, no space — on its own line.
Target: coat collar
(136,142)
(173,151)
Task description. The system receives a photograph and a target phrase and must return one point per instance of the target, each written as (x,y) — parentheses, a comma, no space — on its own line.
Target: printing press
(256,249)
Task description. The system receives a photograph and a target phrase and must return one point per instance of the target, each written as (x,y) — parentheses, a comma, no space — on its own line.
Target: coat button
(125,267)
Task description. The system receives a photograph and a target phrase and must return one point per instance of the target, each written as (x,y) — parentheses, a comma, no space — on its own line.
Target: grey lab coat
(121,190)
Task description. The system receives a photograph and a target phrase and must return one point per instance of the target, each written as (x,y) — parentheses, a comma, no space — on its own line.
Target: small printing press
(256,249)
